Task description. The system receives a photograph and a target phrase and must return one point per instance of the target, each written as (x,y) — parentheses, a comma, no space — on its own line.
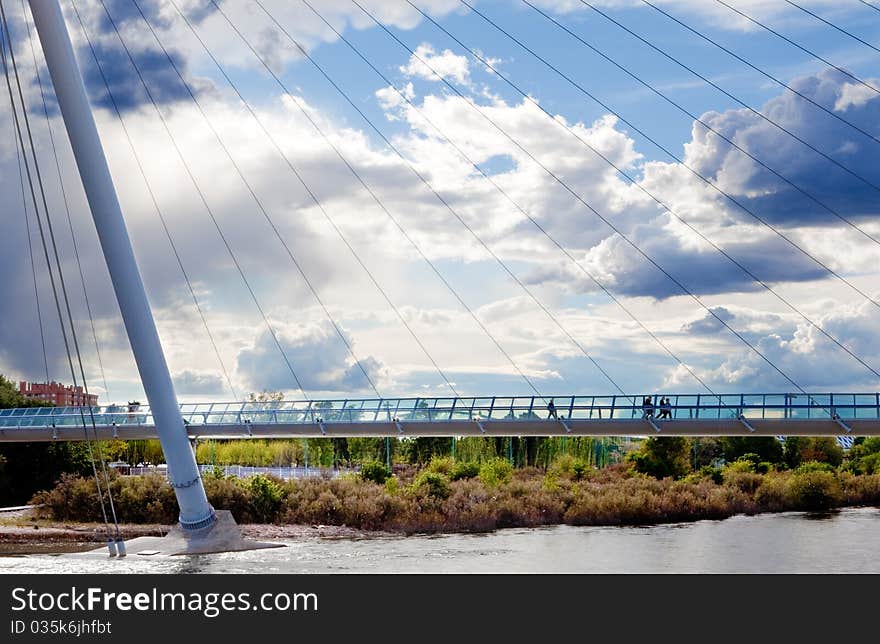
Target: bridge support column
(196,514)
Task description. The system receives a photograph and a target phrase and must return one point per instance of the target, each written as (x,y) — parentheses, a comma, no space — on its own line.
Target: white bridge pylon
(196,514)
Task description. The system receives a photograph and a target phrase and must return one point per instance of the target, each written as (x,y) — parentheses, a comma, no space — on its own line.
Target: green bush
(814,490)
(743,480)
(433,484)
(569,466)
(442,465)
(666,456)
(230,494)
(464,471)
(496,472)
(813,466)
(771,495)
(714,473)
(740,465)
(266,498)
(802,449)
(869,464)
(392,485)
(215,472)
(375,471)
(764,467)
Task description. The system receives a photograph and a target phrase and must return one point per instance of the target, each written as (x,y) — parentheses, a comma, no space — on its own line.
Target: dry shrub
(771,494)
(426,501)
(860,490)
(470,508)
(814,491)
(229,494)
(743,480)
(144,499)
(73,498)
(136,499)
(531,503)
(348,502)
(646,501)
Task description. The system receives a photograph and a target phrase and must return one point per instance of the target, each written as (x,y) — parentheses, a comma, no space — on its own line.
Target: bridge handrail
(451,409)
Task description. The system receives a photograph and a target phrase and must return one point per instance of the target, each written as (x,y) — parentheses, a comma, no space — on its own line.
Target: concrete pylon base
(223,536)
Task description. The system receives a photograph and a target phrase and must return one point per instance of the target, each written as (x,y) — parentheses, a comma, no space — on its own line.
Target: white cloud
(428,64)
(454,340)
(317,358)
(853,95)
(390,98)
(717,14)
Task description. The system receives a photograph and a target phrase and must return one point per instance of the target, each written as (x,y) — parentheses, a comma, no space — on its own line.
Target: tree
(662,457)
(422,449)
(26,468)
(265,396)
(803,449)
(704,451)
(864,456)
(766,447)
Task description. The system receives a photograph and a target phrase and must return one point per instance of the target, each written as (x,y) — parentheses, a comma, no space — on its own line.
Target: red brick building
(57,394)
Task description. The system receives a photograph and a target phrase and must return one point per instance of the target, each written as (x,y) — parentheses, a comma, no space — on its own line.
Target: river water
(841,542)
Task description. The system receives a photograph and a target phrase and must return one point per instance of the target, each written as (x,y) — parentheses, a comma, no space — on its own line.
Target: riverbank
(27,534)
(447,497)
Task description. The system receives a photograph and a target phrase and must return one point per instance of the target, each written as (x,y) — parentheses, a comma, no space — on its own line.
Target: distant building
(57,394)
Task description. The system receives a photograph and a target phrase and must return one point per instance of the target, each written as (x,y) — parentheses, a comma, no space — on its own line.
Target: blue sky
(794,338)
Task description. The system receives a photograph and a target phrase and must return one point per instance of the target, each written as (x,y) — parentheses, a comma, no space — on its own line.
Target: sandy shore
(20,529)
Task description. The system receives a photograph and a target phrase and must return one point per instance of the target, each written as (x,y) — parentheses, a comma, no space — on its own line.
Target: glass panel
(844,405)
(776,406)
(728,406)
(527,407)
(866,406)
(462,410)
(577,407)
(501,408)
(482,407)
(683,406)
(798,404)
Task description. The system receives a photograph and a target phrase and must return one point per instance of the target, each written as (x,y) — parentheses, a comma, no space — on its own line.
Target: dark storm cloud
(770,196)
(704,272)
(125,12)
(121,82)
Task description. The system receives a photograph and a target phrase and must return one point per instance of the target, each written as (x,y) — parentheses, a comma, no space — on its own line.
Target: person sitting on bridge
(551,408)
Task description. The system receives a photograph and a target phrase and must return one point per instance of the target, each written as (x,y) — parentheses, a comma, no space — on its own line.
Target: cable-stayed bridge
(685,415)
(710,413)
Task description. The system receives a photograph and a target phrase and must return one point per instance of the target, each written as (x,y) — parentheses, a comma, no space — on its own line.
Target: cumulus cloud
(194,383)
(429,64)
(391,98)
(391,358)
(799,350)
(766,193)
(317,356)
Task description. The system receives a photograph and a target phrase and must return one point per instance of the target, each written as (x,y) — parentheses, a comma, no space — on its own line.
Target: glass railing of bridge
(682,406)
(71,416)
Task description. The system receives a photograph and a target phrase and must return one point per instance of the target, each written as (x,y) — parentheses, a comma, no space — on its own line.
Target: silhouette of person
(551,408)
(648,407)
(665,408)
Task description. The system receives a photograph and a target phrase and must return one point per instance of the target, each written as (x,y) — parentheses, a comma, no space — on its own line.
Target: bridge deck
(690,415)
